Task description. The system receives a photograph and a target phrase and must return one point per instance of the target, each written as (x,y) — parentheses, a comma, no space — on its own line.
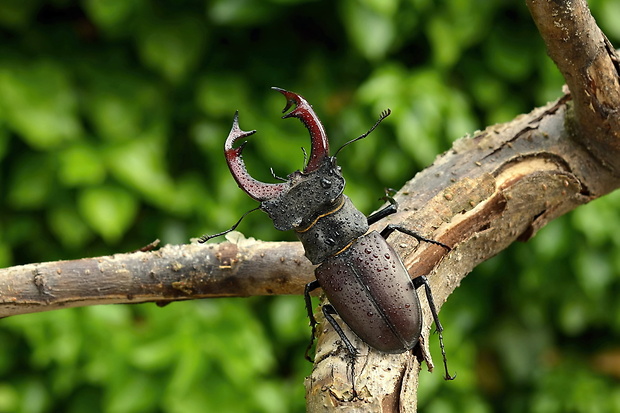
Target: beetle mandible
(362,276)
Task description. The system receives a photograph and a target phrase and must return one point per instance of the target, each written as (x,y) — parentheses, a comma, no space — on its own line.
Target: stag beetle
(362,276)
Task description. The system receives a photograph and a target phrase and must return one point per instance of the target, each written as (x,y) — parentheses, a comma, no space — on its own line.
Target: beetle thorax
(325,220)
(333,231)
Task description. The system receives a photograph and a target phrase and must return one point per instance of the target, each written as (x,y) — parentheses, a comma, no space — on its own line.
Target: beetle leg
(423,281)
(391,228)
(328,312)
(311,286)
(384,212)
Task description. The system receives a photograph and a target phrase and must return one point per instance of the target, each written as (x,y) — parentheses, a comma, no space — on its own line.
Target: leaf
(140,164)
(31,182)
(123,106)
(39,103)
(17,13)
(240,12)
(108,210)
(68,226)
(372,33)
(110,13)
(81,165)
(173,46)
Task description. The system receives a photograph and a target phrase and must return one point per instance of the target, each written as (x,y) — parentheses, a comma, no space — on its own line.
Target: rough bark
(242,268)
(591,69)
(489,190)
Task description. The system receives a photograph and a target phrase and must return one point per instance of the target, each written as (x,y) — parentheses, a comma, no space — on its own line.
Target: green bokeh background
(113,115)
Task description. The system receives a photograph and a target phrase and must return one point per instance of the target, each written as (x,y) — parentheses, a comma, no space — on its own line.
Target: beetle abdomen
(369,287)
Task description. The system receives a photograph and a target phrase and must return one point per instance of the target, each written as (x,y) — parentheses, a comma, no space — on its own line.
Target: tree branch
(591,68)
(176,272)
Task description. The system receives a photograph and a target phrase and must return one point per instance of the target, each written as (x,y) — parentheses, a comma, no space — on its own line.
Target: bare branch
(175,272)
(591,68)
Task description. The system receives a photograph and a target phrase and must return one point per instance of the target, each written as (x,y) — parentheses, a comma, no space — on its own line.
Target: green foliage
(113,115)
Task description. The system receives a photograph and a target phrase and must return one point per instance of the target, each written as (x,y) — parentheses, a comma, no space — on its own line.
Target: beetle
(362,276)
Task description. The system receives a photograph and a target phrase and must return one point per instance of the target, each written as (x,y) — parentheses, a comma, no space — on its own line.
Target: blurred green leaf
(112,120)
(17,13)
(4,140)
(31,182)
(123,398)
(68,226)
(124,106)
(8,398)
(81,165)
(371,32)
(286,315)
(34,395)
(140,164)
(608,19)
(39,102)
(108,210)
(5,254)
(110,13)
(441,32)
(239,12)
(514,63)
(461,19)
(173,46)
(217,94)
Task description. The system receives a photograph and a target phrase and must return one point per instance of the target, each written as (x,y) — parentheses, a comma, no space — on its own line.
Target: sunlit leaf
(81,165)
(39,103)
(173,46)
(108,210)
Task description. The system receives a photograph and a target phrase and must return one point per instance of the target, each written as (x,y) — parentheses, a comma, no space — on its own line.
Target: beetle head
(319,152)
(306,193)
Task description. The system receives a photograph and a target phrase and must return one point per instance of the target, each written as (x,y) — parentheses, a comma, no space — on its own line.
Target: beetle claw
(291,98)
(304,112)
(236,133)
(260,191)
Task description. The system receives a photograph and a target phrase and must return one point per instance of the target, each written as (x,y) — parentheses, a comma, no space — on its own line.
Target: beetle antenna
(206,238)
(276,176)
(384,115)
(305,155)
